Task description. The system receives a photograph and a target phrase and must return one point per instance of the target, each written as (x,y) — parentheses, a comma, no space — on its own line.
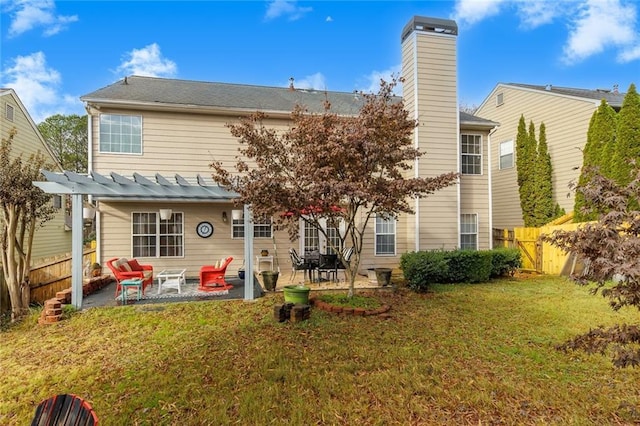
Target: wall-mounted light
(165,214)
(88,212)
(224,216)
(237,214)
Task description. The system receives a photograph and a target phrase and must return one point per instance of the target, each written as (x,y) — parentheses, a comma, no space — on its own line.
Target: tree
(610,248)
(525,167)
(544,206)
(24,208)
(66,135)
(331,167)
(627,150)
(597,152)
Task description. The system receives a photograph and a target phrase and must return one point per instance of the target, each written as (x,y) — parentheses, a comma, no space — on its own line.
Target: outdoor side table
(171,278)
(125,285)
(264,259)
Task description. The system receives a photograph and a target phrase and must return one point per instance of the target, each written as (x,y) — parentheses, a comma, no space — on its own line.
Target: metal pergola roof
(117,187)
(139,187)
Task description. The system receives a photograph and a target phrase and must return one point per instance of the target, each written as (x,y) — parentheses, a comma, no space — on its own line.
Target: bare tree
(24,208)
(332,168)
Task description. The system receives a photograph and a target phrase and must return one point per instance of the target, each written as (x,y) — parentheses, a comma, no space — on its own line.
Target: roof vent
(291,84)
(615,89)
(548,87)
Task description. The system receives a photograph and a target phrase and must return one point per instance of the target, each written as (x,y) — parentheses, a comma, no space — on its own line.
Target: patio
(106,296)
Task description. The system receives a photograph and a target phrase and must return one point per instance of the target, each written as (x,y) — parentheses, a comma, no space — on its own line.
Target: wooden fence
(537,255)
(48,277)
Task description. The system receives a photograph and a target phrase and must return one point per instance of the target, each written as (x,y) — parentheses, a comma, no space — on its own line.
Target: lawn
(461,354)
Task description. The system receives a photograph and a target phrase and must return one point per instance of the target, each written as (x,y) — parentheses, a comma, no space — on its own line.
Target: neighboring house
(54,238)
(163,126)
(566,113)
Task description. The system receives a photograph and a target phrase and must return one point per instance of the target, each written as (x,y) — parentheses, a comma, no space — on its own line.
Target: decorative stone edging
(324,306)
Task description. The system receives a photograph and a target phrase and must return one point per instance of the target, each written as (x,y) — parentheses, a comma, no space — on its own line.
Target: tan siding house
(53,238)
(566,114)
(161,126)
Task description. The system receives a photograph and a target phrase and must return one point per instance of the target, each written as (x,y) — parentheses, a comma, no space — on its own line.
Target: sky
(53,52)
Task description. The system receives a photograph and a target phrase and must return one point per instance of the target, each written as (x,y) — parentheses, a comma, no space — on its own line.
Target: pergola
(116,187)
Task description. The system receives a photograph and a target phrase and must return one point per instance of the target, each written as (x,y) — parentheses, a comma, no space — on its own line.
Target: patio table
(171,278)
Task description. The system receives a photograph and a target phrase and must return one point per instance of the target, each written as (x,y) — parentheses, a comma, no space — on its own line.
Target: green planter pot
(270,279)
(296,294)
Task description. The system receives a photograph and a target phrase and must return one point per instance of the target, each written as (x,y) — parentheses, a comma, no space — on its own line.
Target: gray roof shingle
(613,98)
(188,93)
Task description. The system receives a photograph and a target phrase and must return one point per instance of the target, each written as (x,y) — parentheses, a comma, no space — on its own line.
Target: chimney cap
(428,24)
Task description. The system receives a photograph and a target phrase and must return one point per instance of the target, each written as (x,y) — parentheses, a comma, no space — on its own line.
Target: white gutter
(490,177)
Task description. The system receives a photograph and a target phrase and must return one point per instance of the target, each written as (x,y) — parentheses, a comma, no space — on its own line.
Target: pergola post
(76,251)
(248,252)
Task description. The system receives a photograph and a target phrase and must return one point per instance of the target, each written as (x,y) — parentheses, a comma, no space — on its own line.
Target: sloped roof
(152,92)
(613,98)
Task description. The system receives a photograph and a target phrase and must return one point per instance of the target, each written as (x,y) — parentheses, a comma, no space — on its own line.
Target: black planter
(270,279)
(383,276)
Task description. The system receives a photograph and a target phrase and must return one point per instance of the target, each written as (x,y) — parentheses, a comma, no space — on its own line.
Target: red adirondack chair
(64,410)
(212,277)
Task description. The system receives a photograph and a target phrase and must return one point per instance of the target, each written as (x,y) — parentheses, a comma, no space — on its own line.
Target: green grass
(461,354)
(357,301)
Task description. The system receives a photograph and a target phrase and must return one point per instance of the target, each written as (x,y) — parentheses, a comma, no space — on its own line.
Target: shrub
(505,261)
(423,268)
(468,266)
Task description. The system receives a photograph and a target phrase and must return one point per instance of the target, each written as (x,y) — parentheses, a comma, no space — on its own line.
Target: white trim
(375,237)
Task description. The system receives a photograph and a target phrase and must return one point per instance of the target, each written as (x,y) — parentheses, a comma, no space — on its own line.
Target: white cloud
(600,24)
(329,19)
(149,62)
(372,81)
(630,54)
(30,14)
(536,13)
(315,81)
(472,11)
(595,25)
(38,87)
(290,8)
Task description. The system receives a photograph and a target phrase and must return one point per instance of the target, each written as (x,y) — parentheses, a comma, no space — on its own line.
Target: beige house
(54,238)
(152,131)
(566,113)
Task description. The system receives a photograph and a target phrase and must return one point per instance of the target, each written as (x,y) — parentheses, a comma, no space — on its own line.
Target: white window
(261,228)
(8,112)
(506,155)
(154,237)
(471,149)
(469,231)
(385,235)
(121,133)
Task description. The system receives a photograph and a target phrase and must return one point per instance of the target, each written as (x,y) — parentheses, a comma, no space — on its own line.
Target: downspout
(490,194)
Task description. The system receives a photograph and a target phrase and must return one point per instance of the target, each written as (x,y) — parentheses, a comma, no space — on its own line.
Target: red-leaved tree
(610,249)
(330,168)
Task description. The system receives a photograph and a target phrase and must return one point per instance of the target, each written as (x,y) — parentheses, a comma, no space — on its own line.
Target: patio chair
(126,269)
(65,409)
(212,277)
(346,259)
(329,266)
(297,264)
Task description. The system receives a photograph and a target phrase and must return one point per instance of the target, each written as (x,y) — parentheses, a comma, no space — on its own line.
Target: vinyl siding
(52,239)
(566,120)
(173,143)
(434,57)
(474,194)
